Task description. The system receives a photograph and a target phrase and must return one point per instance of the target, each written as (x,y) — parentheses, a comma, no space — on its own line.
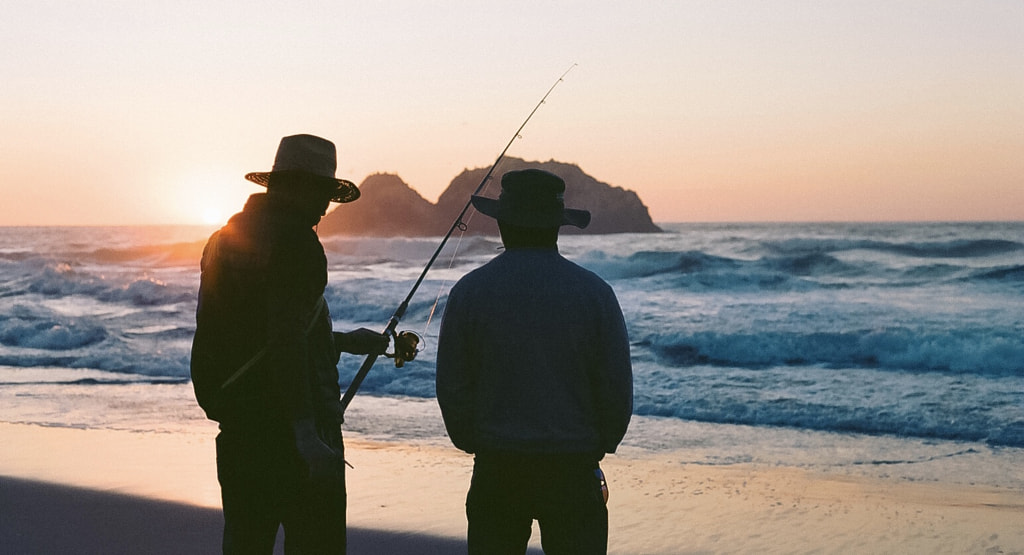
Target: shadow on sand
(37,517)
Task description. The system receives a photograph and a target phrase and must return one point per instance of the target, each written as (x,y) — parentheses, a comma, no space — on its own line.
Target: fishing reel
(406,347)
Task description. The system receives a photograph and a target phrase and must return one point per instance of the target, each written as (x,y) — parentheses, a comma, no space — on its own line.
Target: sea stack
(389,207)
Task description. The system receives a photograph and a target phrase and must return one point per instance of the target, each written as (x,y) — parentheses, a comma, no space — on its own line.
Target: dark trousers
(264,485)
(562,494)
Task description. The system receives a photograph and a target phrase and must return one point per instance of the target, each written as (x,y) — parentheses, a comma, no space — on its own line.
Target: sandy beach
(112,491)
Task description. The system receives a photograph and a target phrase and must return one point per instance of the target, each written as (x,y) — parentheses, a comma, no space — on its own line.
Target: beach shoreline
(403,489)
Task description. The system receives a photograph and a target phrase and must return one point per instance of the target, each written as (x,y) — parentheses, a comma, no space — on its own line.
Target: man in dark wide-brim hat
(534,378)
(264,359)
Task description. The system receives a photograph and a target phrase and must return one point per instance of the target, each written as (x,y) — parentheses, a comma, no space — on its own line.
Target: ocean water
(877,344)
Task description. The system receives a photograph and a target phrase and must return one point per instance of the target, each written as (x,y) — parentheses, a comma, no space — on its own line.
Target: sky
(150,112)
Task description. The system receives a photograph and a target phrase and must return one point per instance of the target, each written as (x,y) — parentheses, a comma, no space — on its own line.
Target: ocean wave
(147,291)
(800,414)
(52,279)
(187,253)
(813,264)
(50,336)
(651,263)
(170,362)
(1004,273)
(148,341)
(797,271)
(123,359)
(700,271)
(933,272)
(694,270)
(977,352)
(846,400)
(161,332)
(957,248)
(17,255)
(414,251)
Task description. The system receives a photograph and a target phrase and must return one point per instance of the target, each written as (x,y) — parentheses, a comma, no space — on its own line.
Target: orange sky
(151,112)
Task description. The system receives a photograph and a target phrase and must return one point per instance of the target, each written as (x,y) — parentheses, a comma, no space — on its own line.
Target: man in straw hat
(534,379)
(264,359)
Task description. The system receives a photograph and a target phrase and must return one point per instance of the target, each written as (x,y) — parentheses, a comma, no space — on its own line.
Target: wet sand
(109,491)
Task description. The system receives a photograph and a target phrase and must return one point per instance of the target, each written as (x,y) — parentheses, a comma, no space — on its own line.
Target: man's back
(542,344)
(262,275)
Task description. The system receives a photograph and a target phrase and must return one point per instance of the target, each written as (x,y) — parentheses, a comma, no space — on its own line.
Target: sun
(209,196)
(211,215)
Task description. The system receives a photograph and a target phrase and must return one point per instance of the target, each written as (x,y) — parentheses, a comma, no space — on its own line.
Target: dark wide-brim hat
(308,157)
(532,198)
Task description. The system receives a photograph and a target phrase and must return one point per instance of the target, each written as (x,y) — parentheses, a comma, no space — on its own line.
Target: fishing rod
(406,342)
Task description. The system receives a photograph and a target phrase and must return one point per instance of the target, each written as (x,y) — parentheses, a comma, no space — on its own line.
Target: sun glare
(210,197)
(212,215)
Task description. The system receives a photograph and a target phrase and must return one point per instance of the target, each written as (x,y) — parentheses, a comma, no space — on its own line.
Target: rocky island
(389,207)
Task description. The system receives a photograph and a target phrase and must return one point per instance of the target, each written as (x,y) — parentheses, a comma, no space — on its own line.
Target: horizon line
(659,223)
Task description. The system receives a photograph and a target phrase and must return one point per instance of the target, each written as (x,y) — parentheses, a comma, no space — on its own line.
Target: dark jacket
(263,276)
(533,357)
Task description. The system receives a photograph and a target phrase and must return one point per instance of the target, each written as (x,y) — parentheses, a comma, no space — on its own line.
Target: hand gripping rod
(357,380)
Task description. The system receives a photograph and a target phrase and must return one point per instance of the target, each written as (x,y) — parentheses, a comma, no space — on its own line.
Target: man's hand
(361,342)
(326,466)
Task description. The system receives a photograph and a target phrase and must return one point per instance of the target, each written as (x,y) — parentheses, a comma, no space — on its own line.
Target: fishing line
(404,337)
(451,264)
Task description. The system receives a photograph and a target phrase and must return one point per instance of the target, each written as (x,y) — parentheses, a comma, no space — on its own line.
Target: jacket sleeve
(614,379)
(456,374)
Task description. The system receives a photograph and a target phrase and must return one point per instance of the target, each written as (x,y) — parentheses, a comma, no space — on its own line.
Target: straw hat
(308,156)
(532,198)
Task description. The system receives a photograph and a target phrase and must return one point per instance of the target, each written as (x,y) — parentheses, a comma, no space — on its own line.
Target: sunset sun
(212,215)
(210,196)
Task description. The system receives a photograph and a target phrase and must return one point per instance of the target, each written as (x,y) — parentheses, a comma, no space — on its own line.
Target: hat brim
(344,190)
(568,216)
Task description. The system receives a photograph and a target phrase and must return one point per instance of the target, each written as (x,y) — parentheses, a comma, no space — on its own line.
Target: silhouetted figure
(534,378)
(264,359)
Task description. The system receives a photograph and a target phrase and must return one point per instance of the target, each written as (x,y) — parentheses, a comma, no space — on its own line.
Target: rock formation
(386,207)
(389,207)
